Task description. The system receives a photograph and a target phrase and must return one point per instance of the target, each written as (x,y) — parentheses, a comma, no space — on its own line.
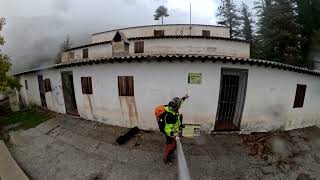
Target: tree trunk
(162,20)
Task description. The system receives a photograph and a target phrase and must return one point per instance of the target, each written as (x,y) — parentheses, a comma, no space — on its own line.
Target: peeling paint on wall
(129,110)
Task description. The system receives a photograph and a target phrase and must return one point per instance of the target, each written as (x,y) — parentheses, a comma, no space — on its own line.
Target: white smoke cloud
(36,28)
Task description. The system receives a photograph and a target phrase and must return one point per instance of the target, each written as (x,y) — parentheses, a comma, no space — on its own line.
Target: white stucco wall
(268,105)
(175,46)
(195,46)
(172,30)
(31,95)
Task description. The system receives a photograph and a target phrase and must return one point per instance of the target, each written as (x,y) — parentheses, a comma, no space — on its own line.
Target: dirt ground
(72,148)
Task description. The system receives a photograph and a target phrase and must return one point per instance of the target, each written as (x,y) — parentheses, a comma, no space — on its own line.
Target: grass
(27,118)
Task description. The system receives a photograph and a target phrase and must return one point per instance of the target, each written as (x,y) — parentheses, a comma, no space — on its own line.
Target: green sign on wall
(194,78)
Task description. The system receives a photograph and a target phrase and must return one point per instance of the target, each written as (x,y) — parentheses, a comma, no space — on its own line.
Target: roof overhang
(176,58)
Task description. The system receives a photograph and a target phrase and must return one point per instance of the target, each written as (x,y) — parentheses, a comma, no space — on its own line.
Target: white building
(124,74)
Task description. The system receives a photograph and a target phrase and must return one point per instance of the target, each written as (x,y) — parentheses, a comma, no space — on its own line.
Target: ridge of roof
(142,26)
(180,58)
(163,37)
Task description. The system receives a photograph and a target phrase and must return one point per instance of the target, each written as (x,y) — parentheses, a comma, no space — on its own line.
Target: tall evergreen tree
(286,32)
(262,47)
(227,12)
(66,44)
(279,31)
(309,18)
(246,19)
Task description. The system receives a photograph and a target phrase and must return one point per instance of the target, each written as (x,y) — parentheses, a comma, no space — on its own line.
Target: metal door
(233,86)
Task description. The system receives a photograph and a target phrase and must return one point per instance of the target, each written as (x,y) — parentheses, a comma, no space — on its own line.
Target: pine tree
(161,12)
(227,12)
(63,47)
(309,18)
(246,18)
(261,46)
(279,33)
(285,32)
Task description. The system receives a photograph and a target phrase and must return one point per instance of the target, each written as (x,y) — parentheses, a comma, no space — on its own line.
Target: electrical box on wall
(191,130)
(194,78)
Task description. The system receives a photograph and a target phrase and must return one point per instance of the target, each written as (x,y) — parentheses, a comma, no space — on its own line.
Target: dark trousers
(169,148)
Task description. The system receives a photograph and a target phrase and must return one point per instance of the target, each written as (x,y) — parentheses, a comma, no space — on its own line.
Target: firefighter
(172,127)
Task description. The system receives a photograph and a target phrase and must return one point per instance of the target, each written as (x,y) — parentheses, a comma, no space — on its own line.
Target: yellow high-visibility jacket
(172,121)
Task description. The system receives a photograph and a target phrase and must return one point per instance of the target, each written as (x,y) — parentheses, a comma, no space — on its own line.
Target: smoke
(35,29)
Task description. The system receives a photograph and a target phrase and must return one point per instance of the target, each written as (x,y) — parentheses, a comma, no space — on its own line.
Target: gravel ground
(66,147)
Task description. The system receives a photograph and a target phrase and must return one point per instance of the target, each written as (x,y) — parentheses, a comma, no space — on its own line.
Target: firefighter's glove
(175,134)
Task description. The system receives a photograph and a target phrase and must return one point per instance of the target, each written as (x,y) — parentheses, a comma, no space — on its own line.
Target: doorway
(42,91)
(68,93)
(233,87)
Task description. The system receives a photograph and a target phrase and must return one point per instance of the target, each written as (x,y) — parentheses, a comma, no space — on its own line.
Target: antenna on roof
(190,19)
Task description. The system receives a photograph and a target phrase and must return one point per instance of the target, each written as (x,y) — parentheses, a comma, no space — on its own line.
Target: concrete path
(73,148)
(9,169)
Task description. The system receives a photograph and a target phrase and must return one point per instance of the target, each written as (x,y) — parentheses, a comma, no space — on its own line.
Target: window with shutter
(158,33)
(71,55)
(139,47)
(47,85)
(300,94)
(205,33)
(85,53)
(125,86)
(86,83)
(26,84)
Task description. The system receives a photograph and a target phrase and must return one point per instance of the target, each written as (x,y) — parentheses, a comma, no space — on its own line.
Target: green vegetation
(25,119)
(284,30)
(5,80)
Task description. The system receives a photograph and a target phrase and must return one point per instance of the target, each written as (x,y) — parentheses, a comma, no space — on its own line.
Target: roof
(178,58)
(122,37)
(163,37)
(160,25)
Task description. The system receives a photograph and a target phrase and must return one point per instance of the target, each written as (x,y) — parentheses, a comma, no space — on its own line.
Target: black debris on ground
(126,137)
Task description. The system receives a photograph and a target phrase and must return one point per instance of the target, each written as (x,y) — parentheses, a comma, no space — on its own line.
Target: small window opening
(26,84)
(125,86)
(47,85)
(139,47)
(86,83)
(205,33)
(158,33)
(85,53)
(71,55)
(300,94)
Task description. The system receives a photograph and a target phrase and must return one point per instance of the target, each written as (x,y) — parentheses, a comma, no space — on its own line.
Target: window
(125,86)
(205,33)
(85,53)
(71,55)
(300,93)
(47,85)
(158,33)
(26,84)
(139,47)
(86,84)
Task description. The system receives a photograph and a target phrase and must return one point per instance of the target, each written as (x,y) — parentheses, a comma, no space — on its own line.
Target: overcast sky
(35,28)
